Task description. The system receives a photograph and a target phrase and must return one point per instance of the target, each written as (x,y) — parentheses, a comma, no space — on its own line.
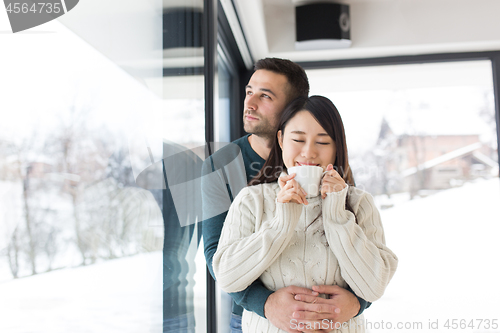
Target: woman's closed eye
(320,143)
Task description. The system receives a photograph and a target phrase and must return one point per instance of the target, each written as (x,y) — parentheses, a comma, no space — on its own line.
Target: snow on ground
(448,246)
(122,295)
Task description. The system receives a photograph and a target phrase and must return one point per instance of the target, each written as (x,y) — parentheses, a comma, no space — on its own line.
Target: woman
(273,233)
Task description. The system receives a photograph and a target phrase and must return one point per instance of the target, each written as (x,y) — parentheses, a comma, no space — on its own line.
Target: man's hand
(281,305)
(340,299)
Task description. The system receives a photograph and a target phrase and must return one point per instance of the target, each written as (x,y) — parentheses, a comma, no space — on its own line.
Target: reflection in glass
(178,158)
(179,163)
(222,125)
(222,134)
(79,240)
(83,216)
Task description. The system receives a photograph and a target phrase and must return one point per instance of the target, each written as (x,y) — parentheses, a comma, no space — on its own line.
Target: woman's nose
(309,150)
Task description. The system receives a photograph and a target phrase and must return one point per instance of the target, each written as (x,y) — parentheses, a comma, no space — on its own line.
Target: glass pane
(179,161)
(422,140)
(80,242)
(183,128)
(222,111)
(222,134)
(87,121)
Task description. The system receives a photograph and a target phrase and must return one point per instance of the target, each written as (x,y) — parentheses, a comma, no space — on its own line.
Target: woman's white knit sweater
(287,244)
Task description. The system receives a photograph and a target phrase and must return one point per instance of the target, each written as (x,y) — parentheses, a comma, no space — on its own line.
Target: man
(274,83)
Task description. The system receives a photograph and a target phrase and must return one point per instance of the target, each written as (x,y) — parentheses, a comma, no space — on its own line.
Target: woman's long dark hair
(327,115)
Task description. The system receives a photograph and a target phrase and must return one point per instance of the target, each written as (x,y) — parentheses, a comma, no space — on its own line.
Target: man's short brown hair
(294,73)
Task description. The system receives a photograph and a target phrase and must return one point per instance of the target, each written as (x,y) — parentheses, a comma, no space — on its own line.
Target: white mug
(308,177)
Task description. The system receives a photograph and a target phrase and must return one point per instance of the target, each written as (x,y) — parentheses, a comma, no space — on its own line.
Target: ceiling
(267,27)
(378,28)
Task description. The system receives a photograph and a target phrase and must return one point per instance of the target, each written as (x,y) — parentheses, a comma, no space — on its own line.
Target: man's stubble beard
(264,129)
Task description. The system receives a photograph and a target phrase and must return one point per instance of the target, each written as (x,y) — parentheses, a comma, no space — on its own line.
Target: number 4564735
(487,324)
(39,7)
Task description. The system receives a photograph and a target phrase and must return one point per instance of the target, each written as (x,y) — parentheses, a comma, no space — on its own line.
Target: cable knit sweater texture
(287,244)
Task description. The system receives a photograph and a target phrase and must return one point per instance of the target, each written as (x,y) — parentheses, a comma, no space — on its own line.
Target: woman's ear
(280,139)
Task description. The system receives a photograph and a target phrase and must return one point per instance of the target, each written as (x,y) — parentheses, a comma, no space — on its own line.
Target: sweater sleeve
(366,263)
(248,245)
(252,298)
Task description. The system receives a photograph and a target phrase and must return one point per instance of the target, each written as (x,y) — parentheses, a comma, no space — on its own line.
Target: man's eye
(266,96)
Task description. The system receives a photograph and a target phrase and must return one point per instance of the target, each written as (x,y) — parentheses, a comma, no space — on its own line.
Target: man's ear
(280,139)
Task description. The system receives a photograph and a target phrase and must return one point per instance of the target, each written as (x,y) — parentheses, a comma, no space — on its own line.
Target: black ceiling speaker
(322,26)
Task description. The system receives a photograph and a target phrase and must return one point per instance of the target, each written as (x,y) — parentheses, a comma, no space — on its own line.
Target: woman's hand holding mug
(291,191)
(331,182)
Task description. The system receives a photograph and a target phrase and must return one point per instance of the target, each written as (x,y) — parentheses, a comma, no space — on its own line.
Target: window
(87,121)
(415,135)
(80,241)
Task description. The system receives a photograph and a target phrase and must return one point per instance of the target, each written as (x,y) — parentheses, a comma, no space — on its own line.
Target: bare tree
(27,242)
(417,145)
(80,155)
(13,252)
(24,168)
(90,174)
